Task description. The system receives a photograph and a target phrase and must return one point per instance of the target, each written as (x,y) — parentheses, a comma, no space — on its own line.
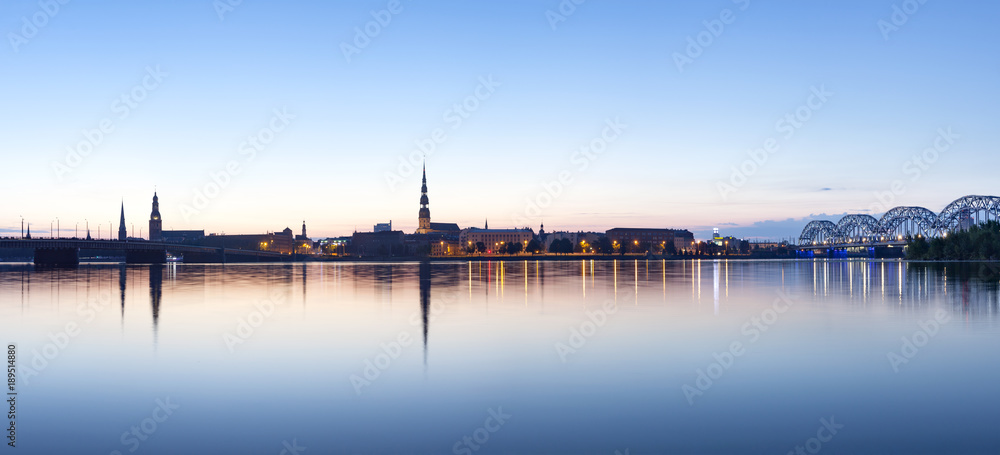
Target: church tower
(122,234)
(155,223)
(424,219)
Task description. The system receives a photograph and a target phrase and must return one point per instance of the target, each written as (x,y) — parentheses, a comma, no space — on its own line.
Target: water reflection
(155,295)
(970,285)
(495,325)
(425,300)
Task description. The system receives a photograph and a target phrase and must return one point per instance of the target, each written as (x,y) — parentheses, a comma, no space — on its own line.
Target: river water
(505,357)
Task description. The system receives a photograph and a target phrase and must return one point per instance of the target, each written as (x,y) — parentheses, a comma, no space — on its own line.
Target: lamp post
(22,226)
(57,227)
(76,231)
(50,229)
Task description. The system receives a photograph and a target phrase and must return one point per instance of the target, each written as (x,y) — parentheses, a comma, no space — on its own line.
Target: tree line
(981,242)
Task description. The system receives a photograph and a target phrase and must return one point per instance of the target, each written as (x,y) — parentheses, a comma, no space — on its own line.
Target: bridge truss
(901,223)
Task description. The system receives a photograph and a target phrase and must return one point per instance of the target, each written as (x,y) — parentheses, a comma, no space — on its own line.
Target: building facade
(576,238)
(655,239)
(494,238)
(279,242)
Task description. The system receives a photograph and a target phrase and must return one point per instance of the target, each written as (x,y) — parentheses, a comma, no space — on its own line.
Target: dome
(425,213)
(423,199)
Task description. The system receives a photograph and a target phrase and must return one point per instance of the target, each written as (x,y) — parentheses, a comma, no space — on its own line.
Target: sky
(247,117)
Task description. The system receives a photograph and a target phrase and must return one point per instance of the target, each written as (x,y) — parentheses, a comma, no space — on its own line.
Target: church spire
(423,187)
(424,216)
(121,224)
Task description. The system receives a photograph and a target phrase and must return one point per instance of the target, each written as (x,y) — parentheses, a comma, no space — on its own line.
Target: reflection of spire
(425,299)
(122,279)
(155,293)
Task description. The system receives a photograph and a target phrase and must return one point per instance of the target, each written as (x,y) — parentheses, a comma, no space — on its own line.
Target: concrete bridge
(60,252)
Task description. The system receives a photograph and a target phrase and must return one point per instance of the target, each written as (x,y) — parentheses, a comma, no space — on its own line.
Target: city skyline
(535,88)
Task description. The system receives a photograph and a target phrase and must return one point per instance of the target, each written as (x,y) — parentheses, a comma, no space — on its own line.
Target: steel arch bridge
(900,223)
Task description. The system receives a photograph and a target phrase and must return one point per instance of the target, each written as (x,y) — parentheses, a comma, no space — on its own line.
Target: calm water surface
(514,357)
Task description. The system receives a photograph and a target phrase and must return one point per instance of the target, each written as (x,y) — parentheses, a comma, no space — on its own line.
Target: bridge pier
(60,257)
(146,257)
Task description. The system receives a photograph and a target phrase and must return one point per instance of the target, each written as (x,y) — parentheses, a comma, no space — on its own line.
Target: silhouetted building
(122,234)
(383,227)
(278,242)
(155,223)
(656,239)
(337,246)
(424,224)
(424,216)
(386,243)
(303,244)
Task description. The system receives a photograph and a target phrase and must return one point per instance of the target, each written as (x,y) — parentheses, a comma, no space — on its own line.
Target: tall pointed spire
(487,226)
(424,217)
(122,234)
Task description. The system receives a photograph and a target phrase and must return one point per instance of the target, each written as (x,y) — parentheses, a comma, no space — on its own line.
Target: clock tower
(155,223)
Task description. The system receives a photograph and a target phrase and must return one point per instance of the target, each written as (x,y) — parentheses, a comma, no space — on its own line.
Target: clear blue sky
(356,118)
